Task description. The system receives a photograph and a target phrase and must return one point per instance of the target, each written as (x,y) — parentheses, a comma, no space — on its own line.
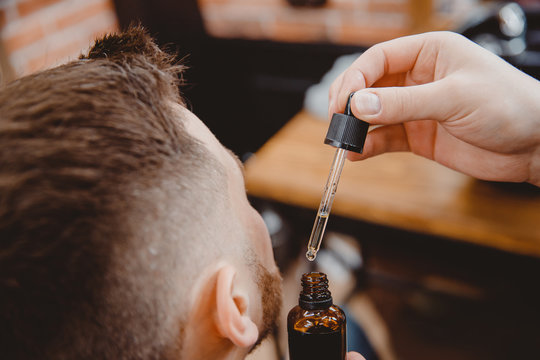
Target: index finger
(391,57)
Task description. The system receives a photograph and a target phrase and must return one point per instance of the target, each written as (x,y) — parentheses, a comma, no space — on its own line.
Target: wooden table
(399,190)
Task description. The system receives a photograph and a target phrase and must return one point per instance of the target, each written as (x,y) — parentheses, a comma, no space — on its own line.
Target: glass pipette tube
(326,204)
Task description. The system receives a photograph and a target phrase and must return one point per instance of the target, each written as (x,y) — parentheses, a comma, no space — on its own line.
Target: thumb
(354,356)
(394,105)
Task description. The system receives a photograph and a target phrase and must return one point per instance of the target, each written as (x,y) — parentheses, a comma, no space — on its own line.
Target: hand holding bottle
(443,97)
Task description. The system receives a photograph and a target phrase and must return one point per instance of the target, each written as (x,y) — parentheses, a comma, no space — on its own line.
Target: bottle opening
(315,293)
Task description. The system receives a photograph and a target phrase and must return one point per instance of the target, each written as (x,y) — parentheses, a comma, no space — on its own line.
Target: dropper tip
(311,255)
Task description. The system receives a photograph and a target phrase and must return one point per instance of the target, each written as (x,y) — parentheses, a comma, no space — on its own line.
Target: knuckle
(373,50)
(395,105)
(355,80)
(451,36)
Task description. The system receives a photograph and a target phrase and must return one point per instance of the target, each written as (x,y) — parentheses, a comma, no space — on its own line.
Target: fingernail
(367,103)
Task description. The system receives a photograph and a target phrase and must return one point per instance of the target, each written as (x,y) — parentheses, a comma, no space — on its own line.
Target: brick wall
(37,34)
(356,22)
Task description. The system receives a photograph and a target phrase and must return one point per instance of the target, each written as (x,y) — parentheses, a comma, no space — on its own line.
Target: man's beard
(270,287)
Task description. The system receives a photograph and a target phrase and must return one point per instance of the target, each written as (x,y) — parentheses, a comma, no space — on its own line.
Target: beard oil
(316,327)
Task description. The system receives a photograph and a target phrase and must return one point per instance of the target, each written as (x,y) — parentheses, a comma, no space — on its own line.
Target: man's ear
(232,320)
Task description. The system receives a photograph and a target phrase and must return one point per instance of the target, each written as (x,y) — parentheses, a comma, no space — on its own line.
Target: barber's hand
(443,97)
(354,356)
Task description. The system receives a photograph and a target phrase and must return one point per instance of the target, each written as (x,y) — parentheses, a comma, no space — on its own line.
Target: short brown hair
(79,144)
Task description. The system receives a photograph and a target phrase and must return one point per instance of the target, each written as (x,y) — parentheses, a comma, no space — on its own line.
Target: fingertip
(352,156)
(354,356)
(350,81)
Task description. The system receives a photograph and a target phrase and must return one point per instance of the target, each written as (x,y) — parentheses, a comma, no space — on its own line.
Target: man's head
(125,231)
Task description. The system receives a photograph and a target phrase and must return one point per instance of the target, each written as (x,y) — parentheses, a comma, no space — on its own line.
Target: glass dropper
(345,132)
(326,204)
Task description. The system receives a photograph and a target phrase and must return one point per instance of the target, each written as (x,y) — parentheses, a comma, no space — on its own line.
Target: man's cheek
(259,233)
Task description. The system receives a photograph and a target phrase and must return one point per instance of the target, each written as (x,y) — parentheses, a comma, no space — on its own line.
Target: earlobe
(233,320)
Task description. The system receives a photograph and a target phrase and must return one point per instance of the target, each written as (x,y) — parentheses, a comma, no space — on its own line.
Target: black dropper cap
(346,131)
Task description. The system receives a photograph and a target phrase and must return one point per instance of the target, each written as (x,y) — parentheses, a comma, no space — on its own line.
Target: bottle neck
(315,294)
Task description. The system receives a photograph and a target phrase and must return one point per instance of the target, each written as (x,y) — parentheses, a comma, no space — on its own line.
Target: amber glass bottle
(316,326)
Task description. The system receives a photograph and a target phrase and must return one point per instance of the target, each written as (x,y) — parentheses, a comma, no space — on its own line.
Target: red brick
(2,18)
(367,36)
(83,13)
(237,29)
(24,38)
(339,7)
(30,6)
(299,32)
(388,6)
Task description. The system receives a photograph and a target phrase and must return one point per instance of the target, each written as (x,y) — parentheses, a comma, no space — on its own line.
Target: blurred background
(429,264)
